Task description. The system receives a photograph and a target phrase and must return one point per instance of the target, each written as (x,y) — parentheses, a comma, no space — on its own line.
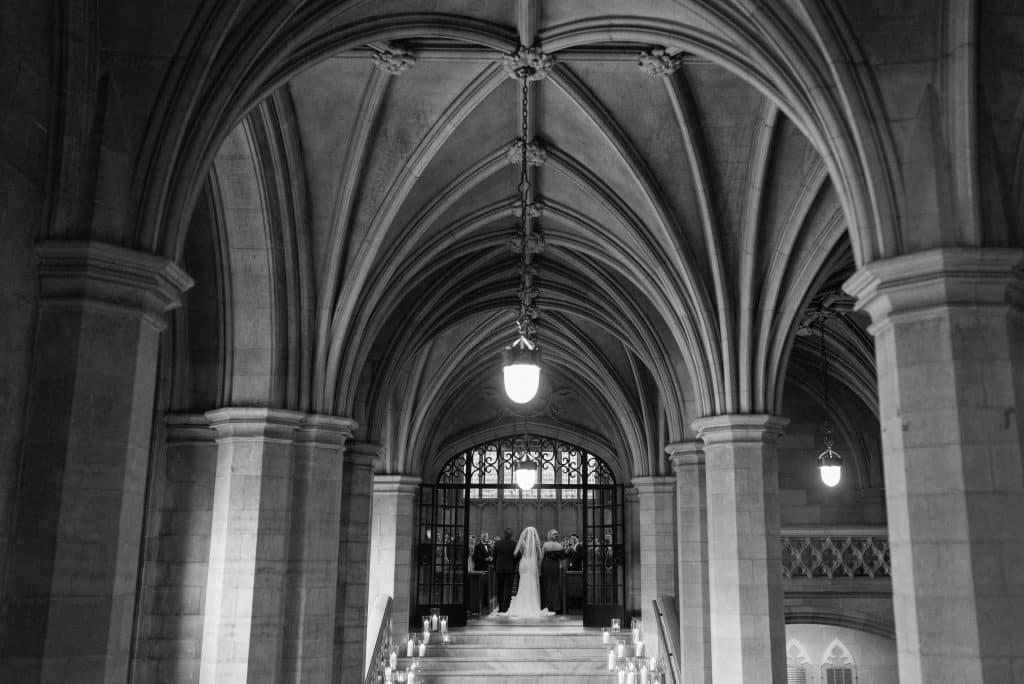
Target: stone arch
(261,271)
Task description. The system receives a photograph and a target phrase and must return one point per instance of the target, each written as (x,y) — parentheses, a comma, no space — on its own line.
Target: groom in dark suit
(505,569)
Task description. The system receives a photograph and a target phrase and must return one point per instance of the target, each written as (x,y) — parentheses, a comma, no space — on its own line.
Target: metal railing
(835,553)
(381,649)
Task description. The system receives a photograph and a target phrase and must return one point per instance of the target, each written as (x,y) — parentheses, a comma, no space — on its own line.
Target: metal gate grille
(482,477)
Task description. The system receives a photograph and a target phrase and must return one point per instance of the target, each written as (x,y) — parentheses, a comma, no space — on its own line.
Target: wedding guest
(550,579)
(481,553)
(575,553)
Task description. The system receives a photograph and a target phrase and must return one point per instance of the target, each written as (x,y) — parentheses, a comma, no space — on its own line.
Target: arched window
(838,666)
(797,663)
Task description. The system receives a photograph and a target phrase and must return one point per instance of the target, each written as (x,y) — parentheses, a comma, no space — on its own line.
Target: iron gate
(479,482)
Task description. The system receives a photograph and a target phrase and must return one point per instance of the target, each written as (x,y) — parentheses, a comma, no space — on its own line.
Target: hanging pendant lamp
(521,359)
(830,463)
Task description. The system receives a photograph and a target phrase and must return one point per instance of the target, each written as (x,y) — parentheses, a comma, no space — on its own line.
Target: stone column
(351,628)
(949,345)
(631,589)
(170,642)
(692,550)
(393,530)
(70,593)
(656,508)
(318,497)
(244,613)
(748,630)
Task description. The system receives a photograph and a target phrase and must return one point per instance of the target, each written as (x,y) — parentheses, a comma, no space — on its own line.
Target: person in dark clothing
(505,564)
(550,586)
(481,554)
(574,552)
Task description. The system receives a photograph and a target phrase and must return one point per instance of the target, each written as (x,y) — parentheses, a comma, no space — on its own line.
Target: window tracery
(797,663)
(838,666)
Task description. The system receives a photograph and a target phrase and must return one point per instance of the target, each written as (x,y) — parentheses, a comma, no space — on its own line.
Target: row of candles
(636,669)
(416,648)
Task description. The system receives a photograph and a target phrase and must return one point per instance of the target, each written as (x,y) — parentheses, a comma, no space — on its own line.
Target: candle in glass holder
(435,617)
(621,674)
(410,647)
(393,659)
(620,649)
(426,624)
(615,624)
(444,624)
(611,659)
(387,673)
(423,649)
(645,676)
(636,623)
(636,634)
(445,639)
(411,677)
(605,636)
(631,677)
(426,637)
(638,649)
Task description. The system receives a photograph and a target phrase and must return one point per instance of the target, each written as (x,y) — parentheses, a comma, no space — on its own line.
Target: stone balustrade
(832,553)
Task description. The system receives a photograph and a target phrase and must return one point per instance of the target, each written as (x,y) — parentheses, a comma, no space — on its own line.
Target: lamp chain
(526,310)
(824,383)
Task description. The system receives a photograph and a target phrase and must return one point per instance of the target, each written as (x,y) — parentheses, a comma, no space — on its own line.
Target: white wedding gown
(526,602)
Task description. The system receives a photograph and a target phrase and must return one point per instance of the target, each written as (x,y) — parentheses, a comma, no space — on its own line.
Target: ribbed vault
(689,219)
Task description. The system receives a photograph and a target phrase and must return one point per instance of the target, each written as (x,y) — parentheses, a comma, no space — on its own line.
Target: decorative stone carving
(531,62)
(534,243)
(657,62)
(825,305)
(533,209)
(393,60)
(840,556)
(535,153)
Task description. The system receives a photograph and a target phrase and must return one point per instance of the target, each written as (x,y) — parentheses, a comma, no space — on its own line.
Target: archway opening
(475,499)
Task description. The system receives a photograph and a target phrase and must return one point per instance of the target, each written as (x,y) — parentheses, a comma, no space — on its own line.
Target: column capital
(685,454)
(654,484)
(326,430)
(949,276)
(73,272)
(363,454)
(395,484)
(250,422)
(735,428)
(184,428)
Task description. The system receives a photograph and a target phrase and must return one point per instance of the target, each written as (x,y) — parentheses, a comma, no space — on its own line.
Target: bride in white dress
(526,602)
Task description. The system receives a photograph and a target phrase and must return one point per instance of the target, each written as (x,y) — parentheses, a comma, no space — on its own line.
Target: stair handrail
(669,645)
(381,649)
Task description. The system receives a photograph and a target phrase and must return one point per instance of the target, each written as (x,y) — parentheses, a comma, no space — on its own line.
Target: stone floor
(512,650)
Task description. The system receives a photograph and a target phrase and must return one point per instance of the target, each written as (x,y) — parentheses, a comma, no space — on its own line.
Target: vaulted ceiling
(364,215)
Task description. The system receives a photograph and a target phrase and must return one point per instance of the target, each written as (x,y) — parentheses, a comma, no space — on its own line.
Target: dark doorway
(475,495)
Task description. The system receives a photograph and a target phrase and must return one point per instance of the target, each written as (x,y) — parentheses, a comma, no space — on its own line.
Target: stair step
(553,650)
(514,651)
(477,678)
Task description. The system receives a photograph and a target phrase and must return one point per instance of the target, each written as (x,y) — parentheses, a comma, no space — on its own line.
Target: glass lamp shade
(831,474)
(830,465)
(526,474)
(521,370)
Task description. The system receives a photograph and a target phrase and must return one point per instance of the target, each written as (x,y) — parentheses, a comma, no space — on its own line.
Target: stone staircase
(496,649)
